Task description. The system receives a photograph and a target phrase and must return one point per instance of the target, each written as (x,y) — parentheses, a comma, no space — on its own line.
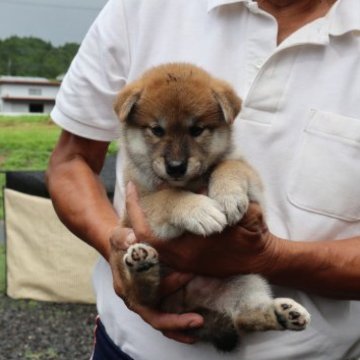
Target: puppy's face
(177,119)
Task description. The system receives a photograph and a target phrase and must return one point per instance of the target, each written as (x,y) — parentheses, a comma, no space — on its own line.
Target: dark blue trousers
(104,347)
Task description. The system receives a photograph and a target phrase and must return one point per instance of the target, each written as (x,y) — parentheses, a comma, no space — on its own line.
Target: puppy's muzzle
(176,169)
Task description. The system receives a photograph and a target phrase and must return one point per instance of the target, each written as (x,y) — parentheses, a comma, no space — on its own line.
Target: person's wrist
(274,255)
(266,248)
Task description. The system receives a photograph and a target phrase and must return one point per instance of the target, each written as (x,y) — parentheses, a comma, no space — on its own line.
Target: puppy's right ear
(126,100)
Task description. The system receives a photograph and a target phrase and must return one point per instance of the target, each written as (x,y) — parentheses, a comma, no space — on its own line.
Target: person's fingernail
(130,238)
(196,323)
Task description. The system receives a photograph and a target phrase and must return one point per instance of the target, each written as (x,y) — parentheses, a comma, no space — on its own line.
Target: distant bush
(30,56)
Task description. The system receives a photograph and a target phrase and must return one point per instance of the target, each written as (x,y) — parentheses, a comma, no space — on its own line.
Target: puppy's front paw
(290,314)
(202,217)
(234,204)
(140,257)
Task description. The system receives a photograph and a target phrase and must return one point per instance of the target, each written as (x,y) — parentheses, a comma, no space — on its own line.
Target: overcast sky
(58,21)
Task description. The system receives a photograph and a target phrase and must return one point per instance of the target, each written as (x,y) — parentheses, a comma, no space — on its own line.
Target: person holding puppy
(295,65)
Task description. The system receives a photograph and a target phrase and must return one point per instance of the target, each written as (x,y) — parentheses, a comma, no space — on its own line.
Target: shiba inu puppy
(176,125)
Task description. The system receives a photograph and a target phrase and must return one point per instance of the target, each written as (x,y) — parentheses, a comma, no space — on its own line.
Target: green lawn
(26,143)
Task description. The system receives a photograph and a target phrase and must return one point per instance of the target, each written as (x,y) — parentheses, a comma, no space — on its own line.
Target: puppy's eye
(196,131)
(158,131)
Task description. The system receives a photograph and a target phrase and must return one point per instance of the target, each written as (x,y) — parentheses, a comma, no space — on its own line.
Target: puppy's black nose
(176,168)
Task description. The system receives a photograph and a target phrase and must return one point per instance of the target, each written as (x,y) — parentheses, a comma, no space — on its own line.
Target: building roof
(24,80)
(28,98)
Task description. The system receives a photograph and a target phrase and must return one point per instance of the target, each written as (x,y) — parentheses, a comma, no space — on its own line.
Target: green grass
(26,143)
(23,119)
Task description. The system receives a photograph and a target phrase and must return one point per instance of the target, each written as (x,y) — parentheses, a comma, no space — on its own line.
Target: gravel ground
(32,330)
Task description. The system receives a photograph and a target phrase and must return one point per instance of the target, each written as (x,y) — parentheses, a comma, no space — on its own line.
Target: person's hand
(171,325)
(248,247)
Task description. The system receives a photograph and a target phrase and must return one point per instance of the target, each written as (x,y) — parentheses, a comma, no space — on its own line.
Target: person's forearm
(81,203)
(77,193)
(328,268)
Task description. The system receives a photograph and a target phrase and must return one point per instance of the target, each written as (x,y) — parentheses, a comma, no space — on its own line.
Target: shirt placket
(270,66)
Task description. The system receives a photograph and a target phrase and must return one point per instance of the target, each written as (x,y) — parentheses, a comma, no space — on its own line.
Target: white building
(27,94)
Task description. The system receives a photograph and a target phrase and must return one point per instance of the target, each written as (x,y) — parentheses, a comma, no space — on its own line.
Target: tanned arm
(78,195)
(329,268)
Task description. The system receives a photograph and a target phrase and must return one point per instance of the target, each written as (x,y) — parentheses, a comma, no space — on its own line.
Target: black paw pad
(139,254)
(286,306)
(293,315)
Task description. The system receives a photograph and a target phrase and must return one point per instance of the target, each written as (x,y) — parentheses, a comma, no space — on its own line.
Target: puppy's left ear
(228,100)
(126,100)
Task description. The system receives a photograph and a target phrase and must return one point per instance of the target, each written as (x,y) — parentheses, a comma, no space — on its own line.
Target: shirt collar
(212,4)
(341,20)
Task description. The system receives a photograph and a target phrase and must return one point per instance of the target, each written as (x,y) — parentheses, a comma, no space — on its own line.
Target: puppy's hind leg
(218,329)
(258,311)
(142,265)
(279,314)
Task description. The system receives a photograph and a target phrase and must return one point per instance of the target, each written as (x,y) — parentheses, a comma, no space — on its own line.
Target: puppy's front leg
(171,212)
(233,183)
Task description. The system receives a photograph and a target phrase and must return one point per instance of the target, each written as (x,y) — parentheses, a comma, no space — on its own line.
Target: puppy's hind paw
(140,258)
(290,314)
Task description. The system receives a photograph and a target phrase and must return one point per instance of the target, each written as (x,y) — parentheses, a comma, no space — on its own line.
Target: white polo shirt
(300,127)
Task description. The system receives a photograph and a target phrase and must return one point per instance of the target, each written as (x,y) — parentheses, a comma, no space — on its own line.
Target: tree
(30,56)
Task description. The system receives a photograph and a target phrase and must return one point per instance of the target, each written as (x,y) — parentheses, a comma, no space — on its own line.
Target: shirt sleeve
(84,104)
